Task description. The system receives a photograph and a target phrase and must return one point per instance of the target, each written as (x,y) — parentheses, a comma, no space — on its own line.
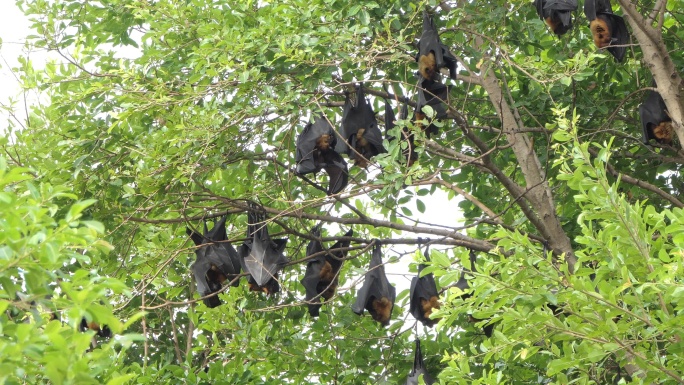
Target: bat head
(600,30)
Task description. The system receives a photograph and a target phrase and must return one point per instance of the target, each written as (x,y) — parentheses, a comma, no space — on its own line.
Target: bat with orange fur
(432,54)
(377,295)
(362,137)
(424,296)
(557,14)
(655,121)
(321,277)
(607,29)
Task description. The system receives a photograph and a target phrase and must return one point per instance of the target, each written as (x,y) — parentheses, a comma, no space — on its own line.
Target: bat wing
(389,119)
(418,369)
(539,5)
(264,260)
(336,167)
(313,272)
(218,232)
(336,259)
(196,238)
(204,286)
(560,5)
(433,94)
(619,36)
(594,7)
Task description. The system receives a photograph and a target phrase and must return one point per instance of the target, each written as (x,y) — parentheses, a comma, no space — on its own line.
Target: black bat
(607,29)
(322,271)
(655,121)
(261,256)
(436,95)
(217,261)
(101,331)
(316,151)
(362,137)
(418,369)
(432,54)
(424,296)
(463,284)
(410,151)
(557,14)
(377,294)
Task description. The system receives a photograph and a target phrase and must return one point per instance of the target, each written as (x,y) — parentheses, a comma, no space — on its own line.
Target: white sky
(14,27)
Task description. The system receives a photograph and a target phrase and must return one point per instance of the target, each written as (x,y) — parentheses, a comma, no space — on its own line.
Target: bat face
(360,129)
(261,256)
(600,31)
(432,54)
(103,331)
(321,278)
(377,295)
(655,121)
(424,296)
(418,369)
(217,261)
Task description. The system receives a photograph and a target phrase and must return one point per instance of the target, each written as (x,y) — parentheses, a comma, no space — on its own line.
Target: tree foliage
(157,115)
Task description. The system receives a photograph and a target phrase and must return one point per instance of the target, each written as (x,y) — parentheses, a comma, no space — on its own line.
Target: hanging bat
(418,369)
(362,137)
(103,331)
(607,29)
(424,296)
(261,256)
(432,54)
(436,95)
(463,284)
(316,151)
(217,261)
(557,14)
(655,121)
(377,294)
(321,275)
(410,152)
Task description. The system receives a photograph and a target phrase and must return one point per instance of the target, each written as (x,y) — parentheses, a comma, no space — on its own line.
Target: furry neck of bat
(429,304)
(427,66)
(664,132)
(382,310)
(324,142)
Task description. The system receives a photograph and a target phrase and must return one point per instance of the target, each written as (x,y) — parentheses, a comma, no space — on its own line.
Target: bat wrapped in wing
(424,295)
(316,151)
(436,95)
(409,152)
(217,261)
(261,256)
(419,369)
(557,14)
(362,137)
(463,284)
(377,294)
(655,121)
(432,54)
(608,30)
(321,277)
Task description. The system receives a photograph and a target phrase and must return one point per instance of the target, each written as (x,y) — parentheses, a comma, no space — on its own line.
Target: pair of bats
(655,122)
(608,30)
(322,272)
(319,148)
(418,369)
(377,295)
(217,261)
(424,296)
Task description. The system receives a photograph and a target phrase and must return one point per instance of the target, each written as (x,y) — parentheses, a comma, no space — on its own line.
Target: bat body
(377,294)
(103,331)
(436,95)
(557,14)
(410,152)
(261,256)
(463,284)
(321,276)
(655,122)
(217,261)
(362,137)
(418,369)
(316,151)
(432,54)
(608,30)
(424,296)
